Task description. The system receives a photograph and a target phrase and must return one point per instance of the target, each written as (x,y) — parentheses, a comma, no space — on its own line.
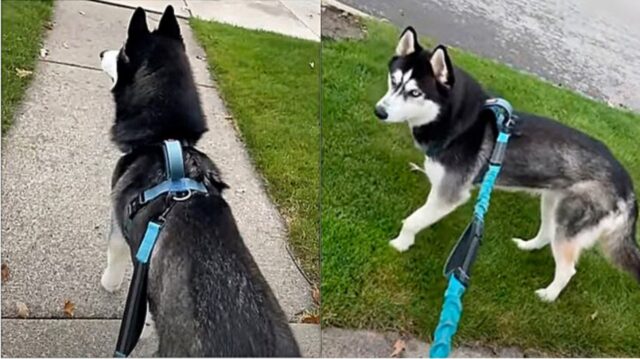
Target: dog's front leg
(436,207)
(117,258)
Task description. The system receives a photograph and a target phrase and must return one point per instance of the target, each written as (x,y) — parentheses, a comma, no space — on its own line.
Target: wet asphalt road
(592,46)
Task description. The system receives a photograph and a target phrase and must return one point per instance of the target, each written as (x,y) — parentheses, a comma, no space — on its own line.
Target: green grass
(22,28)
(271,89)
(367,189)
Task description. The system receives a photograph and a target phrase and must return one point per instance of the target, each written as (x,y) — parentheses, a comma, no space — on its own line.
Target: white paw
(525,245)
(401,244)
(110,282)
(546,295)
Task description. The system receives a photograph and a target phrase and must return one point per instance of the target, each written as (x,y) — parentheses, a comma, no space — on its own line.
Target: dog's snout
(381,113)
(102,53)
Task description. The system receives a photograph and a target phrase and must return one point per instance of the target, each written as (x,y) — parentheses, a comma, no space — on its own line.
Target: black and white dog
(205,292)
(586,194)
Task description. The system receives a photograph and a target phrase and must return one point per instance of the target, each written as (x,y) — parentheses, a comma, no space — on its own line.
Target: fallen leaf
(315,295)
(23,310)
(22,73)
(44,52)
(69,307)
(398,348)
(5,273)
(310,319)
(594,315)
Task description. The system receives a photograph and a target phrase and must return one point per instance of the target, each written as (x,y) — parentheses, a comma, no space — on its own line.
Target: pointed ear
(441,65)
(169,24)
(138,24)
(408,42)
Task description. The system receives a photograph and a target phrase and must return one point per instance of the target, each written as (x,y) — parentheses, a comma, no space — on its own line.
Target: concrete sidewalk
(56,167)
(297,18)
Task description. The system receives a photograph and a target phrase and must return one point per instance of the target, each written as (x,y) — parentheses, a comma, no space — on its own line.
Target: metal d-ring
(186,197)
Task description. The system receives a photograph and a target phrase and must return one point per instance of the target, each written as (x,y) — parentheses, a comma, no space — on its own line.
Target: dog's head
(143,50)
(419,83)
(155,95)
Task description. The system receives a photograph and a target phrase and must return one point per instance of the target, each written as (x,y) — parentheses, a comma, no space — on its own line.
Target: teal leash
(458,267)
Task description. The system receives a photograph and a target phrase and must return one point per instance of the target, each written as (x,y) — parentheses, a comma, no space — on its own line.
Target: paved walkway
(56,167)
(297,18)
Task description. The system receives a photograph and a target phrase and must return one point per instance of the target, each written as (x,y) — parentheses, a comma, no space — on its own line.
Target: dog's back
(208,296)
(206,293)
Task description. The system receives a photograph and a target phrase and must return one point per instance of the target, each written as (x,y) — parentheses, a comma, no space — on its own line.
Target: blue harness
(458,267)
(177,187)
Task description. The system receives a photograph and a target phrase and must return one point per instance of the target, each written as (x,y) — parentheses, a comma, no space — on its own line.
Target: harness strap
(135,308)
(176,181)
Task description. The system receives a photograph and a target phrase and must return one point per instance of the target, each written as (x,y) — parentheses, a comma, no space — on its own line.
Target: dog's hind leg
(436,207)
(548,202)
(117,258)
(580,221)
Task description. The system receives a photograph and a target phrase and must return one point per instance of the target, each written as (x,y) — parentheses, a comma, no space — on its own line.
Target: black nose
(381,113)
(102,53)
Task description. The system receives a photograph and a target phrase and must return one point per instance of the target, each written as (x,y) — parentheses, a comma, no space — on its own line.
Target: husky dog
(205,292)
(586,194)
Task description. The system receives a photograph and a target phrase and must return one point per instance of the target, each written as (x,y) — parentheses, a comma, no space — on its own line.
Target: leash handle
(449,319)
(134,312)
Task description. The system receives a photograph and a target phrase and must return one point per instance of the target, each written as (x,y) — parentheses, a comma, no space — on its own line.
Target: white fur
(566,251)
(406,44)
(118,258)
(416,111)
(435,208)
(109,65)
(548,203)
(439,66)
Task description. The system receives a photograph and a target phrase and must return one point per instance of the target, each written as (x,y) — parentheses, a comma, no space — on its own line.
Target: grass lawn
(22,28)
(269,85)
(367,189)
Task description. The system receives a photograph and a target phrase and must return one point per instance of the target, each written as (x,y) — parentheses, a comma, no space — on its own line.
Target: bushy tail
(621,245)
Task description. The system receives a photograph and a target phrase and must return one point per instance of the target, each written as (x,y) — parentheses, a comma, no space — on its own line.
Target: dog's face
(419,83)
(143,50)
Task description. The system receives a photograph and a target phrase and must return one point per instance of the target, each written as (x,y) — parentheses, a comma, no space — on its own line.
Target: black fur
(206,293)
(543,155)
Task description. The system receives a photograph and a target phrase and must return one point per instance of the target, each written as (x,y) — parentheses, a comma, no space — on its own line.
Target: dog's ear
(169,24)
(138,25)
(408,43)
(441,65)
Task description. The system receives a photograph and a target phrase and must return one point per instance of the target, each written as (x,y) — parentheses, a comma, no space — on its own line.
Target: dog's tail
(621,245)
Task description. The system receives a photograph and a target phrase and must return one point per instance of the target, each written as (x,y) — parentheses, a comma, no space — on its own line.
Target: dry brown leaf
(69,307)
(22,73)
(310,319)
(5,273)
(23,310)
(398,348)
(315,295)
